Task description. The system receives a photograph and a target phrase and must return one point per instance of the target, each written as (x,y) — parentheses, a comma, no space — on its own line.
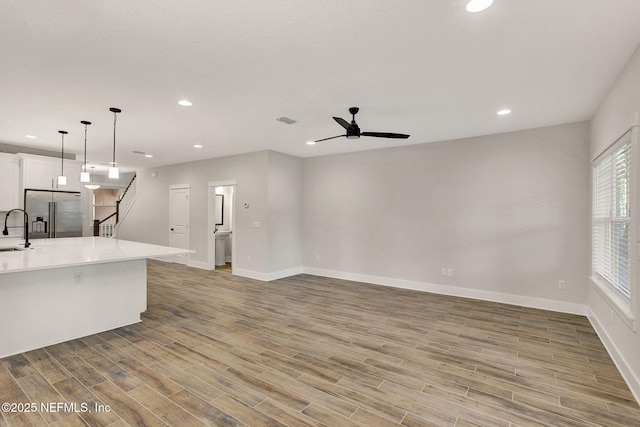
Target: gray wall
(507,213)
(269,182)
(148,220)
(611,119)
(284,220)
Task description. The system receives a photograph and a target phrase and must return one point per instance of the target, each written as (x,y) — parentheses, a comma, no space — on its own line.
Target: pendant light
(62,180)
(84,175)
(114,172)
(92,185)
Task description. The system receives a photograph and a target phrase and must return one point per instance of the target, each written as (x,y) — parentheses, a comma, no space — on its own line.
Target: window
(611,232)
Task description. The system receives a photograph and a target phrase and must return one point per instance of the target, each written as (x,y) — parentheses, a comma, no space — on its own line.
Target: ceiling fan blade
(342,122)
(385,135)
(332,137)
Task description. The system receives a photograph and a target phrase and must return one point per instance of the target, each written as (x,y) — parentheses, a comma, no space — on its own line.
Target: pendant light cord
(85,149)
(115,118)
(62,157)
(62,133)
(85,123)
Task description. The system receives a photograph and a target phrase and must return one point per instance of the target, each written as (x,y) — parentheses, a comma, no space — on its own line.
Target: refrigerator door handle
(52,219)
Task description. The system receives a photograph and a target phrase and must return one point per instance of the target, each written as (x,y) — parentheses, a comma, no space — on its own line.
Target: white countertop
(66,252)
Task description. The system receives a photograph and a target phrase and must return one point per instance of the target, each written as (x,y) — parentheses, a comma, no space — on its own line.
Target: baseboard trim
(532,302)
(267,277)
(618,359)
(163,259)
(199,264)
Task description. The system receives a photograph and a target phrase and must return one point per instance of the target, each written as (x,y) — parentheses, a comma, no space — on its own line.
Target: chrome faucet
(26,226)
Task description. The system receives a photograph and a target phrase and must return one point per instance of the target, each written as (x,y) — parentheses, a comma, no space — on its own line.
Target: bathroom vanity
(62,289)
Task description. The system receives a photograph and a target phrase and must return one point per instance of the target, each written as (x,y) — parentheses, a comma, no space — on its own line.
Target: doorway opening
(221,225)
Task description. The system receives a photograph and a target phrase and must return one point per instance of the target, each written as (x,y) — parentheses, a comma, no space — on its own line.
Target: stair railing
(123,205)
(103,228)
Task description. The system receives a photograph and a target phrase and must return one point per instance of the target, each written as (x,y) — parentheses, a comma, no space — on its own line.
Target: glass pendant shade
(91,185)
(114,172)
(84,177)
(62,180)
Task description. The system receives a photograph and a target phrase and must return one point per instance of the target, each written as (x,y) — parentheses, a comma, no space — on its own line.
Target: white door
(179,219)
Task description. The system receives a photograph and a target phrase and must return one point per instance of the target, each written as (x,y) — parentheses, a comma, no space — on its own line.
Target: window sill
(618,303)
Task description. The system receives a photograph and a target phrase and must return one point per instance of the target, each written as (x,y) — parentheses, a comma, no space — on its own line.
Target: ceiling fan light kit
(353,130)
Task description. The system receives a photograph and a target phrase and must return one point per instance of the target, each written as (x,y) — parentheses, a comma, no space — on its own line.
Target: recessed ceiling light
(31,136)
(197,146)
(478,5)
(504,112)
(148,155)
(185,103)
(311,143)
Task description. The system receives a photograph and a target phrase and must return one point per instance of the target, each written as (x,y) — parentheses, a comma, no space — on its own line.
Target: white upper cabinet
(9,182)
(41,173)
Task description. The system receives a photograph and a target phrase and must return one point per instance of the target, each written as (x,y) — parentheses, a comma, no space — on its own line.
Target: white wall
(507,213)
(612,117)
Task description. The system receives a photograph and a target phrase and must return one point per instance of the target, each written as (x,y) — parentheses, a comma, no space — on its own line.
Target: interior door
(179,219)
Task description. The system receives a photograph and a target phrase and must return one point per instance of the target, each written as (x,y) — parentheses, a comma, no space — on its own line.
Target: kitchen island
(62,289)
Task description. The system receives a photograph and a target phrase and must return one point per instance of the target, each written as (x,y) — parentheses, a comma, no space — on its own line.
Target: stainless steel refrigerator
(53,213)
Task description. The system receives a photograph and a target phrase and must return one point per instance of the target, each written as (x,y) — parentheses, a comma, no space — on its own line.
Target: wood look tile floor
(215,349)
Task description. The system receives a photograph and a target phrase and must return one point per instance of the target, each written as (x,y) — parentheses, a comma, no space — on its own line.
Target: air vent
(286,120)
(142,153)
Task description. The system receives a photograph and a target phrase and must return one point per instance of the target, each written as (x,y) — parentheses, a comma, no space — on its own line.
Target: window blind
(611,233)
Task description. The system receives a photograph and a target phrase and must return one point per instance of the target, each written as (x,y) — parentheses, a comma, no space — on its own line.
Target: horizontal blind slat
(611,235)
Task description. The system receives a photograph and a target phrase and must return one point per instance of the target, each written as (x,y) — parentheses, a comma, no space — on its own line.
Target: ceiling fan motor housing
(353,131)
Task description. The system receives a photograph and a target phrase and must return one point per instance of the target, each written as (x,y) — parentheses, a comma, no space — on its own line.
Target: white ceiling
(423,67)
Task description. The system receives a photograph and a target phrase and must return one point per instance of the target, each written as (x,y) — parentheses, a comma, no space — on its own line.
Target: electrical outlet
(248,258)
(443,271)
(449,272)
(562,284)
(317,257)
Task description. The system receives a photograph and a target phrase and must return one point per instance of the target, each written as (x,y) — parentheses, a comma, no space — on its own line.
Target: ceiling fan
(353,131)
